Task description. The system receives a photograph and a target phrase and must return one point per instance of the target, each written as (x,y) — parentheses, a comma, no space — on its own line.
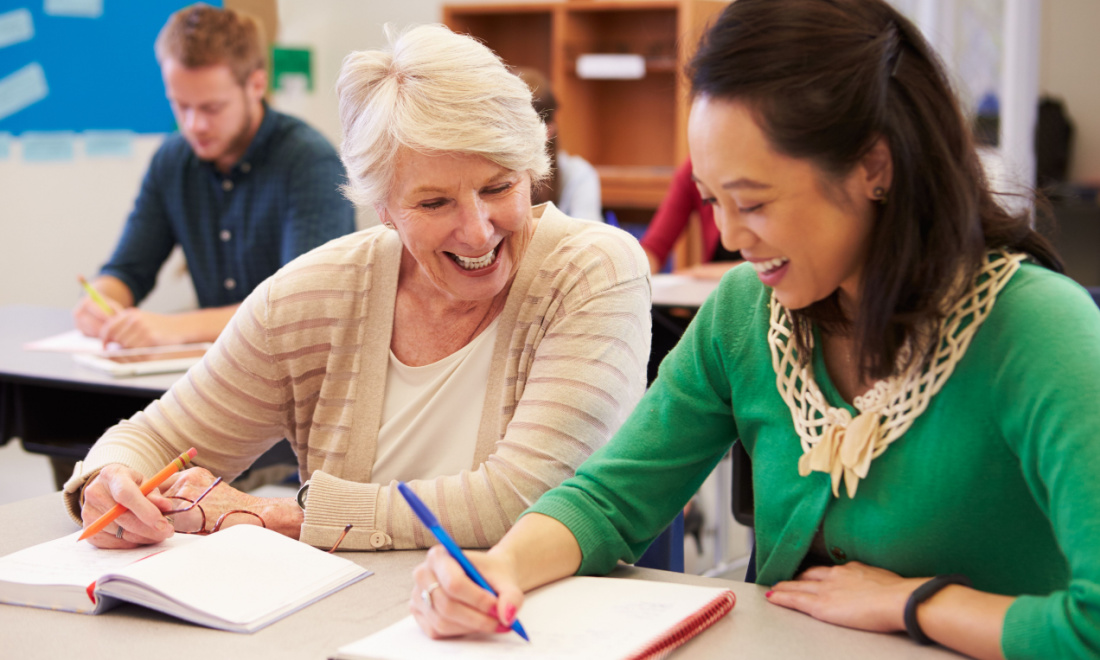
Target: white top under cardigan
(431,413)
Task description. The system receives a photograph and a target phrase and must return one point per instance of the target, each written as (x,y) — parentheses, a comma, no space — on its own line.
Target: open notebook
(240,579)
(118,361)
(574,619)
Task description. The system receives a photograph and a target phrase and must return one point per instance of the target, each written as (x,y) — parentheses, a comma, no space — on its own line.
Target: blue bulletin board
(83,65)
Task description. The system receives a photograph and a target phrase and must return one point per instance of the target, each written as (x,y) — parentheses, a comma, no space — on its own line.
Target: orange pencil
(146,487)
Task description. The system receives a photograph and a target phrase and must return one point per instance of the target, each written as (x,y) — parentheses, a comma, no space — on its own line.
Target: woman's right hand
(90,318)
(142,524)
(447,603)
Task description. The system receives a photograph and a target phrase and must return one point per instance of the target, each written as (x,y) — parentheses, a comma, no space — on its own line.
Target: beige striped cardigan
(306,355)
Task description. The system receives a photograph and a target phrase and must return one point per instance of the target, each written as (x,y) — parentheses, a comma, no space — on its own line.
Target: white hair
(432,91)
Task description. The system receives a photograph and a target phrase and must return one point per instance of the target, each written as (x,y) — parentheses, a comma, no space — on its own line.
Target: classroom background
(61,214)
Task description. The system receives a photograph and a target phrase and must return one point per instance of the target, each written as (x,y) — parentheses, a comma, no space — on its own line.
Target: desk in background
(59,408)
(54,405)
(755,628)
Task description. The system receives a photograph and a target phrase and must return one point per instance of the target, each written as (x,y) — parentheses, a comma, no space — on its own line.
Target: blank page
(574,618)
(239,579)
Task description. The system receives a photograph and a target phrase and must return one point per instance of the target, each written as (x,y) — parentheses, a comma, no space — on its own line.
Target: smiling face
(806,233)
(465,220)
(216,115)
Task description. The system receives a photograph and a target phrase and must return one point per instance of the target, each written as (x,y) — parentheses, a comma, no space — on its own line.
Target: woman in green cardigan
(916,384)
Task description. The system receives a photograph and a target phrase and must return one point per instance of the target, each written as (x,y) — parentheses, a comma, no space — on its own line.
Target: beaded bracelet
(923,593)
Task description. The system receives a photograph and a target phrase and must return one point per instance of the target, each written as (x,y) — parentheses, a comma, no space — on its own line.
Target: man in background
(241,188)
(573,185)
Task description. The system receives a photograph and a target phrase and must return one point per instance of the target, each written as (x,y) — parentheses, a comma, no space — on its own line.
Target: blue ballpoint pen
(429,520)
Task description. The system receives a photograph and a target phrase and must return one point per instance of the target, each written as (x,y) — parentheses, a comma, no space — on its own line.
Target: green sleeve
(628,491)
(1049,392)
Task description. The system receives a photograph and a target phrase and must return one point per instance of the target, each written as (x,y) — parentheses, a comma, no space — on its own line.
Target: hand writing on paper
(447,603)
(142,524)
(90,318)
(133,328)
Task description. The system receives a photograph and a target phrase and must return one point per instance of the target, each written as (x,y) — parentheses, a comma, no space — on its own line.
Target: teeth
(765,266)
(474,263)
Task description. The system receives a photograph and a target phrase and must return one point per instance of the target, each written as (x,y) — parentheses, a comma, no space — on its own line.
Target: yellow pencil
(180,463)
(95,296)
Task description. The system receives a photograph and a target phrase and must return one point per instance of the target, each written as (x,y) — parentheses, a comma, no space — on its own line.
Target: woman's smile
(476,263)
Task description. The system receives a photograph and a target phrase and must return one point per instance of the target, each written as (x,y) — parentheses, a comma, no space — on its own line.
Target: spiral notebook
(574,618)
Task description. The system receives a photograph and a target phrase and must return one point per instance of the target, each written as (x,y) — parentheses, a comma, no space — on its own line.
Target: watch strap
(923,593)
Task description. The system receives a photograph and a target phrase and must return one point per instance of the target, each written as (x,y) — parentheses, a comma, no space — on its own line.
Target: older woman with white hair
(473,346)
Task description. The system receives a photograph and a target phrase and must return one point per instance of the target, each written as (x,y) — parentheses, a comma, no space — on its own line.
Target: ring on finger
(118,534)
(426,594)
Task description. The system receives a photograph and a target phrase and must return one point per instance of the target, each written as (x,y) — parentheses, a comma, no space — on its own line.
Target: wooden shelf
(634,187)
(633,131)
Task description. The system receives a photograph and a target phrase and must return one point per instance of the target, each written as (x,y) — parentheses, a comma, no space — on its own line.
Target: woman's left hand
(280,514)
(854,595)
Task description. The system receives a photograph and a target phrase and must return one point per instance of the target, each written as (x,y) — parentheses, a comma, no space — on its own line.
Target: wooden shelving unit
(632,131)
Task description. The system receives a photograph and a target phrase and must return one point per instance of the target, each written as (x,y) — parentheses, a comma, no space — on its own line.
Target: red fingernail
(501,628)
(510,614)
(769,594)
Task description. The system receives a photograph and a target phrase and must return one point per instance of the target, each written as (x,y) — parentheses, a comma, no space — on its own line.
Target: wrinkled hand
(458,605)
(854,595)
(90,318)
(193,482)
(133,328)
(142,524)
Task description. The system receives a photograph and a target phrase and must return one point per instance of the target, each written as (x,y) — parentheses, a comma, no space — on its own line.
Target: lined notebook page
(574,618)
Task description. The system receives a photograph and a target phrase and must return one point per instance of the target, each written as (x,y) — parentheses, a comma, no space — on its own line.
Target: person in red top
(671,220)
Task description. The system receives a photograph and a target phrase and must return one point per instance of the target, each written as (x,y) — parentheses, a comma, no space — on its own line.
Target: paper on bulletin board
(48,146)
(74,8)
(15,27)
(108,144)
(23,88)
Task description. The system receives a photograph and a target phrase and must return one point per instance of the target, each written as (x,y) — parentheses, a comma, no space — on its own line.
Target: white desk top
(755,628)
(681,290)
(20,324)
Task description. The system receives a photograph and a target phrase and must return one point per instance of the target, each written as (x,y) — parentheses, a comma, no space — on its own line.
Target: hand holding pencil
(120,484)
(94,309)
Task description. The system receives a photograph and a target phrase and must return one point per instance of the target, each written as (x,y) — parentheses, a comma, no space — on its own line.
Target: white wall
(1070,51)
(61,219)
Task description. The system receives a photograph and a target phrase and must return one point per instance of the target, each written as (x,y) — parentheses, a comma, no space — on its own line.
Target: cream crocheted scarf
(842,446)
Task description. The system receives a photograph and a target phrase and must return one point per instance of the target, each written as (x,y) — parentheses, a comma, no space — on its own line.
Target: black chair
(741,502)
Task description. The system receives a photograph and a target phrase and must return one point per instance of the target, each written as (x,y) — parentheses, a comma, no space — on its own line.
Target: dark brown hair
(546,104)
(201,35)
(825,80)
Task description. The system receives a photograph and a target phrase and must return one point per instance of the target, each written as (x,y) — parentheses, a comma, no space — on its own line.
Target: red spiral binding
(688,628)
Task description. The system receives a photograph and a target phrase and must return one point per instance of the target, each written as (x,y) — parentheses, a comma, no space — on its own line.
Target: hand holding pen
(423,603)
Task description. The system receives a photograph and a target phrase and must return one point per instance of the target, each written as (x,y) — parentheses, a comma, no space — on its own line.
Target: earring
(879,194)
(388,225)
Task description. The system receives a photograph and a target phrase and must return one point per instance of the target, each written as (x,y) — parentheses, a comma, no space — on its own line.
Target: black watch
(303,493)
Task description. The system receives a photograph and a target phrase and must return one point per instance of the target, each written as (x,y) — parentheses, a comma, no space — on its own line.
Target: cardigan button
(378,539)
(838,553)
